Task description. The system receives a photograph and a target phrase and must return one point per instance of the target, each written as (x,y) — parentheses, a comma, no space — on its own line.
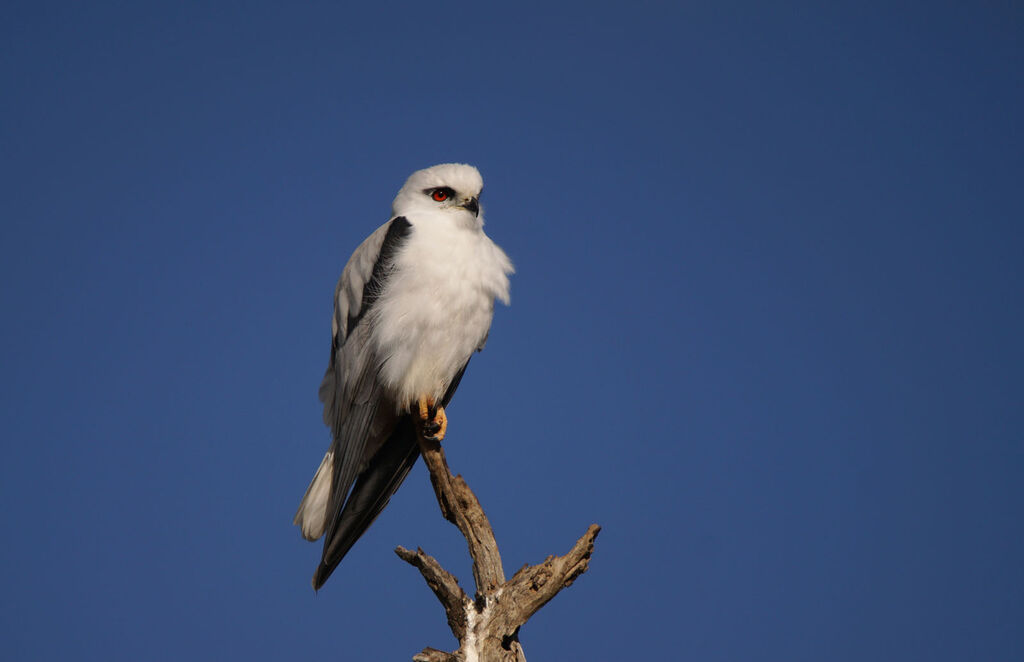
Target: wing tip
(320,576)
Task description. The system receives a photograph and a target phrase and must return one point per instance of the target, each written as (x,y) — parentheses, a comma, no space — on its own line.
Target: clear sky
(765,328)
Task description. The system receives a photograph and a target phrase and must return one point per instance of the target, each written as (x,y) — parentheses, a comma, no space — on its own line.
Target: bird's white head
(450,187)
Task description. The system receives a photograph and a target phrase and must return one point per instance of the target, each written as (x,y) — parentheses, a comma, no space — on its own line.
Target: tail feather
(311,516)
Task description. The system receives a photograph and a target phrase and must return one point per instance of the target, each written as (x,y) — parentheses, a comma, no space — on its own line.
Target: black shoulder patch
(398,231)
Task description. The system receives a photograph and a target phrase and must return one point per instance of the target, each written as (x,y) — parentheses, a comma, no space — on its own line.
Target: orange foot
(433,422)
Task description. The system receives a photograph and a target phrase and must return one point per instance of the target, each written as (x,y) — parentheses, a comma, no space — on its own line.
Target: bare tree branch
(443,584)
(433,655)
(487,627)
(533,586)
(460,507)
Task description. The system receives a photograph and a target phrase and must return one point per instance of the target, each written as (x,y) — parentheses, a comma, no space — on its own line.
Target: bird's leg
(433,421)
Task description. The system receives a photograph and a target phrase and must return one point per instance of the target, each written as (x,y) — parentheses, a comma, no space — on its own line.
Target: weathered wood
(487,626)
(433,655)
(443,584)
(460,507)
(533,586)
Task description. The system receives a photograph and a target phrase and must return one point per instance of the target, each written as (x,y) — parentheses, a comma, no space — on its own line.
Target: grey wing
(360,414)
(355,408)
(356,281)
(349,389)
(375,485)
(386,470)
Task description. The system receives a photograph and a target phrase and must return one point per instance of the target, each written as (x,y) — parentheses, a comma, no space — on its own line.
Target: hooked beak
(473,205)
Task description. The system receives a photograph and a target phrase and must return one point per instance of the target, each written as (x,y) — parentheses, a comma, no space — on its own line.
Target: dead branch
(487,626)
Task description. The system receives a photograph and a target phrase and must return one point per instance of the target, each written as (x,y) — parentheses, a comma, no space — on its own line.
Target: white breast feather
(437,306)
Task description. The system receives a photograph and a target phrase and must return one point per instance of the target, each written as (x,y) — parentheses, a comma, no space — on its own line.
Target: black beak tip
(473,205)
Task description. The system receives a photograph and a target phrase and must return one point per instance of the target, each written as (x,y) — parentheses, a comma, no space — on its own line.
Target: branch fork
(487,625)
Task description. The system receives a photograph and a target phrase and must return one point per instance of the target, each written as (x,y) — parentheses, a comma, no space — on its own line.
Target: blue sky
(765,328)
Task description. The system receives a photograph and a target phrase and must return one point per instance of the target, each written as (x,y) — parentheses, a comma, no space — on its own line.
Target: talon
(441,423)
(433,422)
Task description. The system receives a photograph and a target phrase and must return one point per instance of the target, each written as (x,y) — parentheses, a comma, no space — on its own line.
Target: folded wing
(369,441)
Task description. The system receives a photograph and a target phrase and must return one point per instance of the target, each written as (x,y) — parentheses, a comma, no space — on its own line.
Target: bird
(413,303)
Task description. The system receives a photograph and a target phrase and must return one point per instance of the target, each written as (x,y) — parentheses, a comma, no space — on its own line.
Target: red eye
(440,195)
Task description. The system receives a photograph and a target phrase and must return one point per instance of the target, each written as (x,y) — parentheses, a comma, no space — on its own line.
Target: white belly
(436,309)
